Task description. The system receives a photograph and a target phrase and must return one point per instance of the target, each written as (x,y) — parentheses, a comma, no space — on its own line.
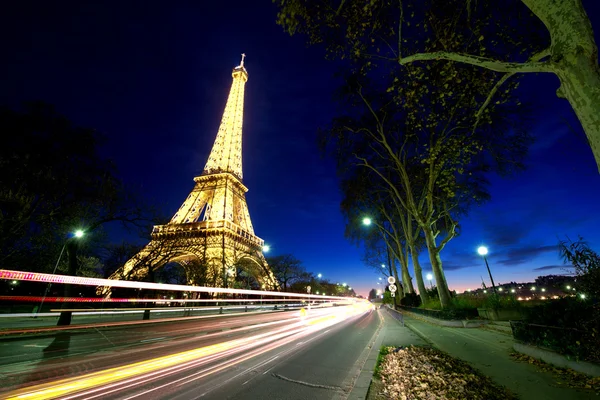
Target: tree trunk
(418,275)
(406,279)
(436,266)
(574,59)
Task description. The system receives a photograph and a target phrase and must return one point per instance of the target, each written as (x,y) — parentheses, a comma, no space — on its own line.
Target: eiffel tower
(211,235)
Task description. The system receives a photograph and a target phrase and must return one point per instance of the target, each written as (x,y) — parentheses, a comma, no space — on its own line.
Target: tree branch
(483,62)
(536,57)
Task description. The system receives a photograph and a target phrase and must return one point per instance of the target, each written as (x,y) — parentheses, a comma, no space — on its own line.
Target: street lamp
(78,234)
(429,278)
(482,250)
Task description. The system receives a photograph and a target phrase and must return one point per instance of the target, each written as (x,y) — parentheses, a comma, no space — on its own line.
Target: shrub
(586,263)
(568,326)
(432,304)
(411,300)
(468,302)
(496,302)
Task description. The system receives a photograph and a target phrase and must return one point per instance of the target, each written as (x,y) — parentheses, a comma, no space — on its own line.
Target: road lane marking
(303,383)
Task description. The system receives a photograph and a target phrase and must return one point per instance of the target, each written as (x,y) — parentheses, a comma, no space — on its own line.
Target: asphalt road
(278,355)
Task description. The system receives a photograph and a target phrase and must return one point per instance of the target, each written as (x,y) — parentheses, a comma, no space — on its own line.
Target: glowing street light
(482,250)
(429,278)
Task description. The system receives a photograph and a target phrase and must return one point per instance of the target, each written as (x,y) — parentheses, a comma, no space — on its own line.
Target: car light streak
(135,373)
(35,299)
(77,280)
(293,335)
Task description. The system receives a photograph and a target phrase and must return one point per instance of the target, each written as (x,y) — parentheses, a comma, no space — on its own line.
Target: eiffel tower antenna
(211,235)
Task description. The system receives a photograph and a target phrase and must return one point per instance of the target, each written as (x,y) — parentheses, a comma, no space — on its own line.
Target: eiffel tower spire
(211,234)
(226,154)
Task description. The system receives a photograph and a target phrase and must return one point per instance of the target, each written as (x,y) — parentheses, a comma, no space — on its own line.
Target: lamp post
(78,234)
(482,250)
(429,278)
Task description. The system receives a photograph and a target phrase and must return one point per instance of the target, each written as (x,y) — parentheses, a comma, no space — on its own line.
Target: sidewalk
(488,351)
(392,333)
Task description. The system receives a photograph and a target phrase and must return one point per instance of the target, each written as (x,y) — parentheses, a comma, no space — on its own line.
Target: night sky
(154,77)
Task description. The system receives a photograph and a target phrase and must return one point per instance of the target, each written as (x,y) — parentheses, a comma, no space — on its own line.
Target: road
(276,355)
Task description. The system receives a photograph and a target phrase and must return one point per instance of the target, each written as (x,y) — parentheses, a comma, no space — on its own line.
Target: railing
(207,226)
(578,344)
(397,314)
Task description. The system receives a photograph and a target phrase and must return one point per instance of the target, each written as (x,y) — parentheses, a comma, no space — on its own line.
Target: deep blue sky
(154,76)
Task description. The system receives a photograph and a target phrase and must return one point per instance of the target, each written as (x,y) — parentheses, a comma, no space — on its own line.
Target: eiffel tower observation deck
(211,235)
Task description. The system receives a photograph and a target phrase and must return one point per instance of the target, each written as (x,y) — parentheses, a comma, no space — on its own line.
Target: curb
(361,385)
(557,359)
(419,334)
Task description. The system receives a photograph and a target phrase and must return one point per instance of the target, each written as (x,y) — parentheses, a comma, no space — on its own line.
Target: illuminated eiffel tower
(211,235)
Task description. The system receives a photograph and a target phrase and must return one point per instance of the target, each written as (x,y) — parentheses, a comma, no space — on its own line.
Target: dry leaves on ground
(564,376)
(429,374)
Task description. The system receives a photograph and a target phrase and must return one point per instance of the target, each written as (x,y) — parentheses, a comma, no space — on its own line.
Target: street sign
(391,280)
(393,288)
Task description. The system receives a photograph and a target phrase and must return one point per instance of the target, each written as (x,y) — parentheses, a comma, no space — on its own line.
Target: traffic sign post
(392,288)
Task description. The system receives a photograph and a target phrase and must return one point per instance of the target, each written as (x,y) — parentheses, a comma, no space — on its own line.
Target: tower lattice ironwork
(211,235)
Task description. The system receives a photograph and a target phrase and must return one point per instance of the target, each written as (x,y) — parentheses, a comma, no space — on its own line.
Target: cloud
(521,255)
(502,229)
(446,265)
(547,267)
